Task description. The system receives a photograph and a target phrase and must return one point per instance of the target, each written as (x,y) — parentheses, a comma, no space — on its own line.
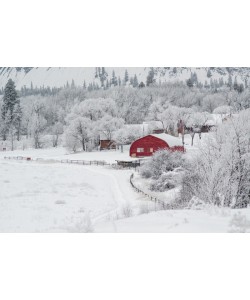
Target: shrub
(162,161)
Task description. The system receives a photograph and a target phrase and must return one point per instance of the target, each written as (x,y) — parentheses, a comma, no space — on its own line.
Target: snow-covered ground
(61,153)
(179,221)
(47,196)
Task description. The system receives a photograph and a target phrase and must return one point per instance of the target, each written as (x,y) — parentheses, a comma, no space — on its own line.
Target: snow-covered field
(47,196)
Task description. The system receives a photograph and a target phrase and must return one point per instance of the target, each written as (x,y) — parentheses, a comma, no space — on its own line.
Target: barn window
(140,149)
(151,150)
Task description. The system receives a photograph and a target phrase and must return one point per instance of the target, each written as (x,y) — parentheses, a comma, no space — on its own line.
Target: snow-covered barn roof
(169,139)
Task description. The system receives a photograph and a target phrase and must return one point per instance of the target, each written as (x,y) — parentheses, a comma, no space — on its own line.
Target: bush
(162,161)
(165,182)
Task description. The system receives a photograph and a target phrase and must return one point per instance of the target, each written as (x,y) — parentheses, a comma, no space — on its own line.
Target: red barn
(147,145)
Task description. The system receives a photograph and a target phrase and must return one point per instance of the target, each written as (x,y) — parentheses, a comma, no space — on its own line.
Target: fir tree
(190,83)
(96,73)
(114,79)
(150,77)
(135,81)
(240,88)
(141,85)
(126,77)
(209,74)
(11,107)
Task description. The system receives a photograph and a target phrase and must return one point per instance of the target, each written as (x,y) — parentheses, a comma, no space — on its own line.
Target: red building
(147,145)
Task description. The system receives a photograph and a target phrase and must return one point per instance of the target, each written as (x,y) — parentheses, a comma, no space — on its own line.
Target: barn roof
(171,140)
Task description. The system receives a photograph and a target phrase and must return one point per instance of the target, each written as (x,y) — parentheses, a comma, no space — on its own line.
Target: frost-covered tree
(223,110)
(78,133)
(126,77)
(10,110)
(56,131)
(108,125)
(220,174)
(127,134)
(135,81)
(209,73)
(150,77)
(114,81)
(37,127)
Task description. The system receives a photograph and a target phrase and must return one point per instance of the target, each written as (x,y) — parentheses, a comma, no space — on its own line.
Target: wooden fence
(161,203)
(85,162)
(63,161)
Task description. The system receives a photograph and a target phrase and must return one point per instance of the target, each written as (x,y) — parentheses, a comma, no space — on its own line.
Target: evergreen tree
(103,75)
(96,73)
(126,77)
(206,84)
(84,85)
(114,79)
(240,88)
(150,77)
(135,81)
(141,85)
(190,83)
(11,110)
(119,81)
(209,74)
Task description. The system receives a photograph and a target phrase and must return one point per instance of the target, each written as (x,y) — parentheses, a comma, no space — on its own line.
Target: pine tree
(10,107)
(150,77)
(119,81)
(209,74)
(103,76)
(114,79)
(141,85)
(96,73)
(135,81)
(240,88)
(190,83)
(126,77)
(84,85)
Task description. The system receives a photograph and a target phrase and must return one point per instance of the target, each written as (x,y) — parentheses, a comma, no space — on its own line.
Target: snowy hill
(58,77)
